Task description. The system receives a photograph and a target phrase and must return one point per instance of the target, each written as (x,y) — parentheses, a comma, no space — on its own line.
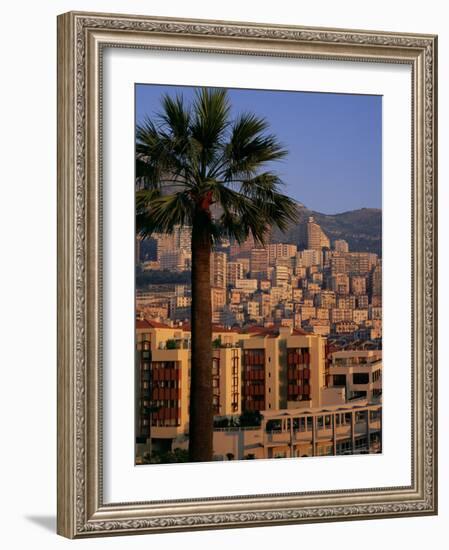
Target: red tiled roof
(263,331)
(215,328)
(273,331)
(219,328)
(143,324)
(255,329)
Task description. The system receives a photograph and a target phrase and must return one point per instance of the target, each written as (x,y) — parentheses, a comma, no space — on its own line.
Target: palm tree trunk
(201,406)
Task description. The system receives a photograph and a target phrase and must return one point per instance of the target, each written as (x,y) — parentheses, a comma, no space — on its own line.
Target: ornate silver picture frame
(82,509)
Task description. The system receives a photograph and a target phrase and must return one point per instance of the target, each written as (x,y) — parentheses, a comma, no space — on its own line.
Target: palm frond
(249,147)
(256,211)
(190,158)
(175,116)
(211,118)
(160,214)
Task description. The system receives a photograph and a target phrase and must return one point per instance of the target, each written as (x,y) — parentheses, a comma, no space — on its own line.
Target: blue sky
(334,141)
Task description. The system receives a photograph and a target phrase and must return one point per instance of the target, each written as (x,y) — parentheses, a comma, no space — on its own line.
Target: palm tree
(198,167)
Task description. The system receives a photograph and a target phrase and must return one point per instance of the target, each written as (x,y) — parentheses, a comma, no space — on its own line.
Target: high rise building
(280,251)
(245,263)
(184,237)
(175,260)
(308,258)
(242,250)
(338,263)
(341,245)
(234,271)
(218,269)
(312,236)
(325,299)
(362,301)
(361,263)
(358,285)
(248,285)
(281,275)
(346,301)
(218,297)
(376,279)
(272,380)
(165,243)
(176,241)
(339,283)
(259,263)
(162,374)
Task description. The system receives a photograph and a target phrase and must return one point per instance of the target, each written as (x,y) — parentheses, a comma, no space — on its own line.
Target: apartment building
(177,260)
(163,379)
(309,405)
(282,367)
(259,263)
(218,269)
(358,285)
(376,279)
(358,372)
(281,275)
(307,258)
(339,283)
(178,240)
(340,245)
(335,430)
(218,302)
(281,251)
(234,271)
(314,236)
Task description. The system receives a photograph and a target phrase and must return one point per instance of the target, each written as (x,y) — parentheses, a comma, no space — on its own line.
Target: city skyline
(334,163)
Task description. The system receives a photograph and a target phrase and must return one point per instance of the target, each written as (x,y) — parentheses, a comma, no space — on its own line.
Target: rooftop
(146,324)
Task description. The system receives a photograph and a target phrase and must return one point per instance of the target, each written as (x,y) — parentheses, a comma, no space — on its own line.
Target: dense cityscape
(297,361)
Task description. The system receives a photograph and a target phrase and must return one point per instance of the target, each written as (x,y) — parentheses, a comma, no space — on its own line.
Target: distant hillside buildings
(322,290)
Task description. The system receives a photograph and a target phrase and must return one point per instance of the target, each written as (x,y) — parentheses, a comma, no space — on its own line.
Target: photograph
(258,274)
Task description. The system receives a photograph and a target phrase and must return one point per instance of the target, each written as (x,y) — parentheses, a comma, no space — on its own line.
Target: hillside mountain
(362,228)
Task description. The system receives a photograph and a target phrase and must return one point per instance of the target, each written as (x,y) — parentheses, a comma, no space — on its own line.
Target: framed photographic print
(246,276)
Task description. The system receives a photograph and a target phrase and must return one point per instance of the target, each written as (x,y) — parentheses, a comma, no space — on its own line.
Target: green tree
(171,344)
(216,343)
(198,167)
(250,419)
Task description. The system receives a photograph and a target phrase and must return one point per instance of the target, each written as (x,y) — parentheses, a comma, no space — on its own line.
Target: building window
(360,378)
(376,375)
(340,380)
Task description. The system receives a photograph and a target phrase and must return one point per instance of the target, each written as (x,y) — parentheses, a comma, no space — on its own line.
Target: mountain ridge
(361,228)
